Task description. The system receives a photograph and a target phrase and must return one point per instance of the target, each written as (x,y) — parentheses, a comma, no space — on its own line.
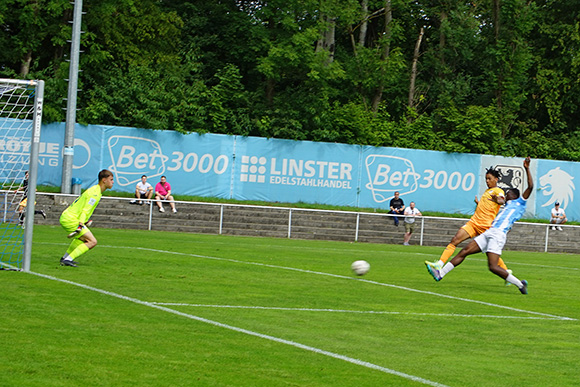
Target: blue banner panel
(512,175)
(253,168)
(295,171)
(194,164)
(556,182)
(435,181)
(14,148)
(86,159)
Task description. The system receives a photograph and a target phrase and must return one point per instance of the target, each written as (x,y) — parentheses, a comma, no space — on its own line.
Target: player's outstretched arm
(528,190)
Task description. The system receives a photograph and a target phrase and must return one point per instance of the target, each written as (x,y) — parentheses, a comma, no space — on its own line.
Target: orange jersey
(487,209)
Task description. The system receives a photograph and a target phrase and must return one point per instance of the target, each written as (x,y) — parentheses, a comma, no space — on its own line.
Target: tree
(33,34)
(499,77)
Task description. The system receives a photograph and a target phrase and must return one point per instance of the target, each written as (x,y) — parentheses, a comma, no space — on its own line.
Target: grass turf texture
(55,333)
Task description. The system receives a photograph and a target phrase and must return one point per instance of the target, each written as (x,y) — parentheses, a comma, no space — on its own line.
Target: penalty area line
(247,332)
(355,311)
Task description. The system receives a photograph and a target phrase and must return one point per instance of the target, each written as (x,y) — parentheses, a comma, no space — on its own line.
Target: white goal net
(20,119)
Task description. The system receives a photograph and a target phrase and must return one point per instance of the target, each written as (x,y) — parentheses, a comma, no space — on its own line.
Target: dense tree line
(484,76)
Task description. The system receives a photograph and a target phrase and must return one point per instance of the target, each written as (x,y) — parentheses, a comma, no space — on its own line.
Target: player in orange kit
(487,208)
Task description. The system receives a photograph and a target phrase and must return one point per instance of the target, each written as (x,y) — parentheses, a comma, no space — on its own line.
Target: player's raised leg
(459,237)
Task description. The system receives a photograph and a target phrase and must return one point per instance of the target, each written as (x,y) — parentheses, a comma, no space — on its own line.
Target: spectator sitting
(163,192)
(143,190)
(410,213)
(558,216)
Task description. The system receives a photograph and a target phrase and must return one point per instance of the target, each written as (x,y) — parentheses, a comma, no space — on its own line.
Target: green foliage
(223,108)
(475,130)
(499,83)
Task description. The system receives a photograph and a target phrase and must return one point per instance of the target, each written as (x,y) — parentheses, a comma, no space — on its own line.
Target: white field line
(342,277)
(356,311)
(533,265)
(434,256)
(251,333)
(10,267)
(348,278)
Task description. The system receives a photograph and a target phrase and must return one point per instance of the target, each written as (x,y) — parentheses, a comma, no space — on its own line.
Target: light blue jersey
(513,211)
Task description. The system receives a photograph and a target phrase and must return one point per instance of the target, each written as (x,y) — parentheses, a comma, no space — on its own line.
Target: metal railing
(430,230)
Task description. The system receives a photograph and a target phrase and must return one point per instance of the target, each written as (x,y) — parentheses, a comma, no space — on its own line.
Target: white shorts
(491,241)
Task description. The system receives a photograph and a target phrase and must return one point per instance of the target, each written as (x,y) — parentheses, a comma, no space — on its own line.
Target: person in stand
(558,217)
(163,192)
(492,241)
(143,190)
(75,219)
(22,205)
(397,207)
(411,214)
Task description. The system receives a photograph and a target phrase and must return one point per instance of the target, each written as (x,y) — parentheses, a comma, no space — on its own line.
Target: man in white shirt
(558,216)
(410,213)
(143,190)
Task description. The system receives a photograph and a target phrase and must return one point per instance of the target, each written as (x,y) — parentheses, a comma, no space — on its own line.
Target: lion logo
(559,184)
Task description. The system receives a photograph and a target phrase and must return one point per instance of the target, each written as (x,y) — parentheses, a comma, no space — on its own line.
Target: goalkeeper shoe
(524,288)
(67,262)
(506,281)
(434,265)
(434,272)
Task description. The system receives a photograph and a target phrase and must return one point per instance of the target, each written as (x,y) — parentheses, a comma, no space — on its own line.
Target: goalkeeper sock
(80,250)
(73,245)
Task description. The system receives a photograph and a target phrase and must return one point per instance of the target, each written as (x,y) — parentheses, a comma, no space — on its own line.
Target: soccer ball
(360,267)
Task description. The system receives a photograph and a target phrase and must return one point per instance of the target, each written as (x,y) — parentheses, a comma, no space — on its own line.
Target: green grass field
(170,309)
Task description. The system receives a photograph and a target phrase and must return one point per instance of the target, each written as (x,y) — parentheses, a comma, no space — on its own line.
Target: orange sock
(447,253)
(501,264)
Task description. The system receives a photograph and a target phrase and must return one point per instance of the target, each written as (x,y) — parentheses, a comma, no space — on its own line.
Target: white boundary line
(349,278)
(532,264)
(355,311)
(248,332)
(342,277)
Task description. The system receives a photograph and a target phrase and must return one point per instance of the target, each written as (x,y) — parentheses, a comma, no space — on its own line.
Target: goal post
(21,104)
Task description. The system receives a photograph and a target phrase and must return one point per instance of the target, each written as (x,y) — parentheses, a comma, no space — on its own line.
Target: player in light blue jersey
(493,240)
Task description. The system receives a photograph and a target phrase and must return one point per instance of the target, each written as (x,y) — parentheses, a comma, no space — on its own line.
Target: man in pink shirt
(163,192)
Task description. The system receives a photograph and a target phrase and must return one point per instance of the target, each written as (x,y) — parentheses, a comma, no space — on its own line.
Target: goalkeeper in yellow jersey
(487,208)
(74,219)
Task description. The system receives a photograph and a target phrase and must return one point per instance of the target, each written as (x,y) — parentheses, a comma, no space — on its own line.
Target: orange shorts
(474,229)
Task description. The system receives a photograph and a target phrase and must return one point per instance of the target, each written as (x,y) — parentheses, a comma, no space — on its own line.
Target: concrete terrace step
(278,222)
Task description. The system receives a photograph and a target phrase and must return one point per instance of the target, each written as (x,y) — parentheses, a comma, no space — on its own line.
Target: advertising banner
(435,181)
(14,148)
(512,175)
(295,171)
(194,164)
(252,168)
(556,184)
(87,154)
